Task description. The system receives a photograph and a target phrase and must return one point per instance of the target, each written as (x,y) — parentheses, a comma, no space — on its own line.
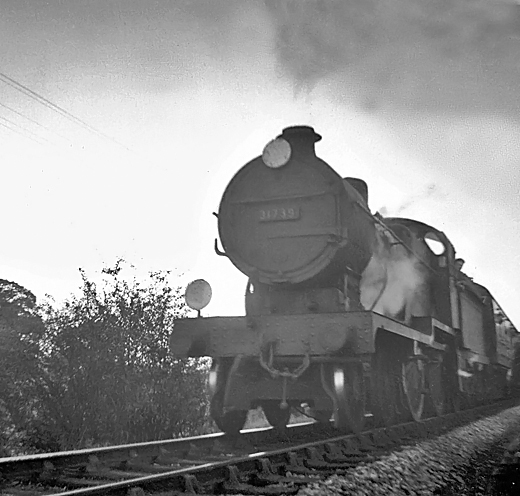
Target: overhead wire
(24,129)
(19,132)
(34,121)
(56,108)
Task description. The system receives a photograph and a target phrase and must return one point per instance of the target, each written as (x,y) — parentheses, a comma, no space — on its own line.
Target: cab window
(434,243)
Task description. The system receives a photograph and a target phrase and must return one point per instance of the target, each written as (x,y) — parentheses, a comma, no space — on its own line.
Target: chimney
(301,139)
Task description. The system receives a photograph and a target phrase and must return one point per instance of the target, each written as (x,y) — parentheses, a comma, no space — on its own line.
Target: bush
(20,328)
(102,369)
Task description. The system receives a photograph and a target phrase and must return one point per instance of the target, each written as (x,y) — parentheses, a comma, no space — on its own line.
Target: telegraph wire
(47,103)
(24,129)
(34,122)
(20,133)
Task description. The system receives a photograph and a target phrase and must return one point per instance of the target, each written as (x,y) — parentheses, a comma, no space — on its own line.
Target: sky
(170,98)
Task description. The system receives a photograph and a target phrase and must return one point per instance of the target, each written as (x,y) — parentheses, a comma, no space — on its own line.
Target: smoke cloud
(408,56)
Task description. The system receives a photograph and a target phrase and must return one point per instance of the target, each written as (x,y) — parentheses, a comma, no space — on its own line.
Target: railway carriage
(347,312)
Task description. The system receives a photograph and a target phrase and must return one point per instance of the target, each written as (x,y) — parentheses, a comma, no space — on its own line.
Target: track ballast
(256,462)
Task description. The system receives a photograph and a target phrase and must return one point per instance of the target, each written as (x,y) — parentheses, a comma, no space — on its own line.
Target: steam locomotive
(348,315)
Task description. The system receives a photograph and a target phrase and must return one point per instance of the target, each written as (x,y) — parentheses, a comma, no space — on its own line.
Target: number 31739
(283,213)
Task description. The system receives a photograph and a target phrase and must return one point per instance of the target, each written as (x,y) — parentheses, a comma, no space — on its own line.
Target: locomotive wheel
(349,386)
(434,377)
(276,416)
(230,422)
(412,381)
(385,386)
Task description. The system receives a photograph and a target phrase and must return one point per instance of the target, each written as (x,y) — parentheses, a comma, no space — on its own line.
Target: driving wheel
(349,387)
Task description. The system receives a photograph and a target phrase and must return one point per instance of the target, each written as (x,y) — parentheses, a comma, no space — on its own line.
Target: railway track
(96,466)
(258,461)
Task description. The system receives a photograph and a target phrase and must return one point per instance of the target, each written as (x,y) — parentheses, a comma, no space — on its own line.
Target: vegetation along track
(259,461)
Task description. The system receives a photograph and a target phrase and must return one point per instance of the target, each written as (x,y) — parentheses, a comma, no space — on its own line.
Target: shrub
(102,371)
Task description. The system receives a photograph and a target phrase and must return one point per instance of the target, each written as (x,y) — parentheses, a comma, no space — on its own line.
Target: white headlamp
(276,153)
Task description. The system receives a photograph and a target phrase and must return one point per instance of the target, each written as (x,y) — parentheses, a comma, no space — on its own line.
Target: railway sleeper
(341,458)
(267,472)
(382,438)
(364,443)
(296,465)
(334,452)
(77,482)
(256,484)
(191,484)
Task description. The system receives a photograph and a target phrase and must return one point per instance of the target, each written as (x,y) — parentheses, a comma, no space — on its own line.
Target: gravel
(460,462)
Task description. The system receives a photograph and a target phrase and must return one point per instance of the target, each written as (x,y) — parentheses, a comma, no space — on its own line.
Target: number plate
(280,213)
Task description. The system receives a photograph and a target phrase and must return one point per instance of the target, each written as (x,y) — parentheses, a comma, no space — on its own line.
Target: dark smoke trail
(430,56)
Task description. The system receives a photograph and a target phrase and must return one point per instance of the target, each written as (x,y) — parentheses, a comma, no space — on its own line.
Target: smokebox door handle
(218,251)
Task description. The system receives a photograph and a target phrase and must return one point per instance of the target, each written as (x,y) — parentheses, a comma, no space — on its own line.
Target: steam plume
(427,193)
(394,282)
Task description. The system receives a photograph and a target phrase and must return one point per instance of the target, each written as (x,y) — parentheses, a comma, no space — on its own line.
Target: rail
(280,466)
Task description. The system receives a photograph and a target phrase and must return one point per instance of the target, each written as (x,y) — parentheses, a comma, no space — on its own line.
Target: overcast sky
(417,97)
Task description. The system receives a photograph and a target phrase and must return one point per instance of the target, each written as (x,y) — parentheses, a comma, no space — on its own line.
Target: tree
(105,374)
(20,328)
